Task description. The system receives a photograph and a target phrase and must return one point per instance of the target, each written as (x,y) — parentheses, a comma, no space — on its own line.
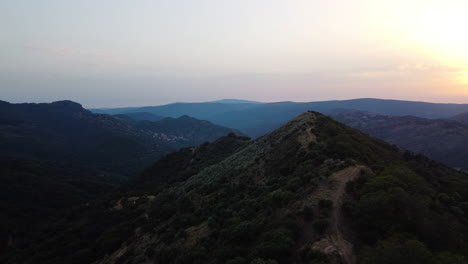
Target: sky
(113,53)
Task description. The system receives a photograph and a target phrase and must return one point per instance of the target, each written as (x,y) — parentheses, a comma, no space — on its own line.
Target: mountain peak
(307,116)
(68,105)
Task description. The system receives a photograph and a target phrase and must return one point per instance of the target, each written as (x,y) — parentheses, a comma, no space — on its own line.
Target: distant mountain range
(443,140)
(312,191)
(256,119)
(64,131)
(235,101)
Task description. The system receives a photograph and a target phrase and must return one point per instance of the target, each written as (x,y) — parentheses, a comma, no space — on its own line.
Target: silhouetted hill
(312,191)
(442,140)
(257,119)
(64,131)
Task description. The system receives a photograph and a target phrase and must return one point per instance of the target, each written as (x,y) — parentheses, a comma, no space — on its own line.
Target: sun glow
(435,28)
(434,31)
(464,77)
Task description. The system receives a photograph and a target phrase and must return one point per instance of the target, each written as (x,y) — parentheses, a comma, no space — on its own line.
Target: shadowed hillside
(64,131)
(461,117)
(442,140)
(312,191)
(184,131)
(139,116)
(33,193)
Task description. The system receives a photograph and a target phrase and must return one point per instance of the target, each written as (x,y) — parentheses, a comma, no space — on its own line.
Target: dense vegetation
(276,199)
(33,193)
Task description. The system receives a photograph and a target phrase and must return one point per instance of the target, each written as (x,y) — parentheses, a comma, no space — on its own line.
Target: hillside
(438,139)
(258,119)
(139,116)
(312,191)
(184,131)
(64,131)
(461,117)
(33,193)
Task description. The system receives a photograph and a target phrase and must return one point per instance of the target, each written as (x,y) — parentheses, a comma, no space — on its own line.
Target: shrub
(310,255)
(321,225)
(308,213)
(276,244)
(349,208)
(263,261)
(281,197)
(237,260)
(397,250)
(325,204)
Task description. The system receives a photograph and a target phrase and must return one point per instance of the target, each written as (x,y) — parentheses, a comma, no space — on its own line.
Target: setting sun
(464,77)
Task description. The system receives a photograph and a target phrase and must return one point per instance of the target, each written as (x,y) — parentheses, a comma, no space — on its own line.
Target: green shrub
(398,250)
(275,244)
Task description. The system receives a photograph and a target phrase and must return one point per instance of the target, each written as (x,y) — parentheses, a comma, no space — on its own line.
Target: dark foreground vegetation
(313,191)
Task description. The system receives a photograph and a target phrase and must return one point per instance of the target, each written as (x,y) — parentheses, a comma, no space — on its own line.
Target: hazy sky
(105,53)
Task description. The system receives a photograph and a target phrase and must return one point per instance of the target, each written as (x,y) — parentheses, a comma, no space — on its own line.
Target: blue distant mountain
(235,101)
(257,119)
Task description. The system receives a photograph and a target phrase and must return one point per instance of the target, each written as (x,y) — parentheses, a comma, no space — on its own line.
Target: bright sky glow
(147,52)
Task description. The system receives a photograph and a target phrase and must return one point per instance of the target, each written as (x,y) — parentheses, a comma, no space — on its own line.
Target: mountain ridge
(443,140)
(65,131)
(275,200)
(257,119)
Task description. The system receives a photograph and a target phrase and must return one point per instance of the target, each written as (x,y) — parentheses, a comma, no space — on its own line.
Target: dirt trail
(334,241)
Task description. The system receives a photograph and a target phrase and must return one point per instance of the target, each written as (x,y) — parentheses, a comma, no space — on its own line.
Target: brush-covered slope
(312,191)
(439,139)
(33,193)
